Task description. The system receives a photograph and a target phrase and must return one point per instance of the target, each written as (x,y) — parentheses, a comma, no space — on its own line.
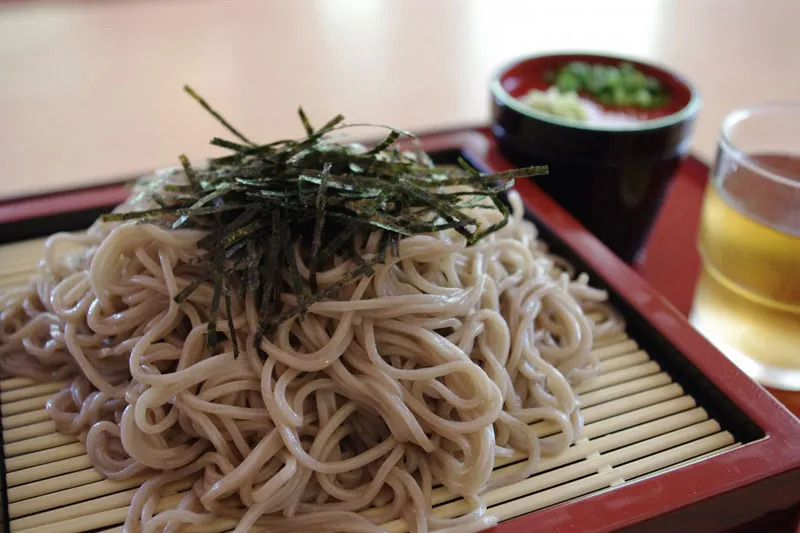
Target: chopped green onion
(620,86)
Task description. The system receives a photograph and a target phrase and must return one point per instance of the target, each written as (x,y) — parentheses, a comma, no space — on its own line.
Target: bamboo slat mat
(639,422)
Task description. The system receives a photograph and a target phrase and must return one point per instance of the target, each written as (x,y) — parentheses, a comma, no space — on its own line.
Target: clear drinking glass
(747,300)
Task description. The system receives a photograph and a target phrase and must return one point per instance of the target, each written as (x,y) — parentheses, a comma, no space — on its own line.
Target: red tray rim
(765,469)
(766,459)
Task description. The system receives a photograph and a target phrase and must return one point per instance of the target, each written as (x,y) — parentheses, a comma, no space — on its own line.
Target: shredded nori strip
(319,224)
(257,202)
(304,120)
(216,115)
(229,312)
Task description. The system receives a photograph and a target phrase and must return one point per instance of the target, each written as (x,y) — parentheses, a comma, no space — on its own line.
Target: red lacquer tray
(758,481)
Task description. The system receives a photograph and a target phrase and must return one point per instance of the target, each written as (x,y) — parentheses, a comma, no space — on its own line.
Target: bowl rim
(684,113)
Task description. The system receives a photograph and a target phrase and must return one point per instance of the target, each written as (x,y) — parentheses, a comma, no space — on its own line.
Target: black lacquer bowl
(611,177)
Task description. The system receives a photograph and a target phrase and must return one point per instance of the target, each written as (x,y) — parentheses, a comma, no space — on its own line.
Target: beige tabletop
(92,90)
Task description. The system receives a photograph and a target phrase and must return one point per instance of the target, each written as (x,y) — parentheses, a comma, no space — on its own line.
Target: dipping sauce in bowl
(611,149)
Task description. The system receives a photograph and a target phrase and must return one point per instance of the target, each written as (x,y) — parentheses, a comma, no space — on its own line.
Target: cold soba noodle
(346,417)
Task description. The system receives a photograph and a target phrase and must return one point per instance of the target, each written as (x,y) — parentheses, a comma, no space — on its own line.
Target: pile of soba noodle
(422,374)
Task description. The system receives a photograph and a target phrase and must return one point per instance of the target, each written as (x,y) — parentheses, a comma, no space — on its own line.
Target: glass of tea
(747,300)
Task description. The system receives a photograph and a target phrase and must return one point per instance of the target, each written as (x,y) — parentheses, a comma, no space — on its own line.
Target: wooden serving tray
(676,435)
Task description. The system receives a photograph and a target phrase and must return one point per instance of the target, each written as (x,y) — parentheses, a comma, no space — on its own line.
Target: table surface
(92,89)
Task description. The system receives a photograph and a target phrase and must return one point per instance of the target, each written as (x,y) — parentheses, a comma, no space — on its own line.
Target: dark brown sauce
(532,74)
